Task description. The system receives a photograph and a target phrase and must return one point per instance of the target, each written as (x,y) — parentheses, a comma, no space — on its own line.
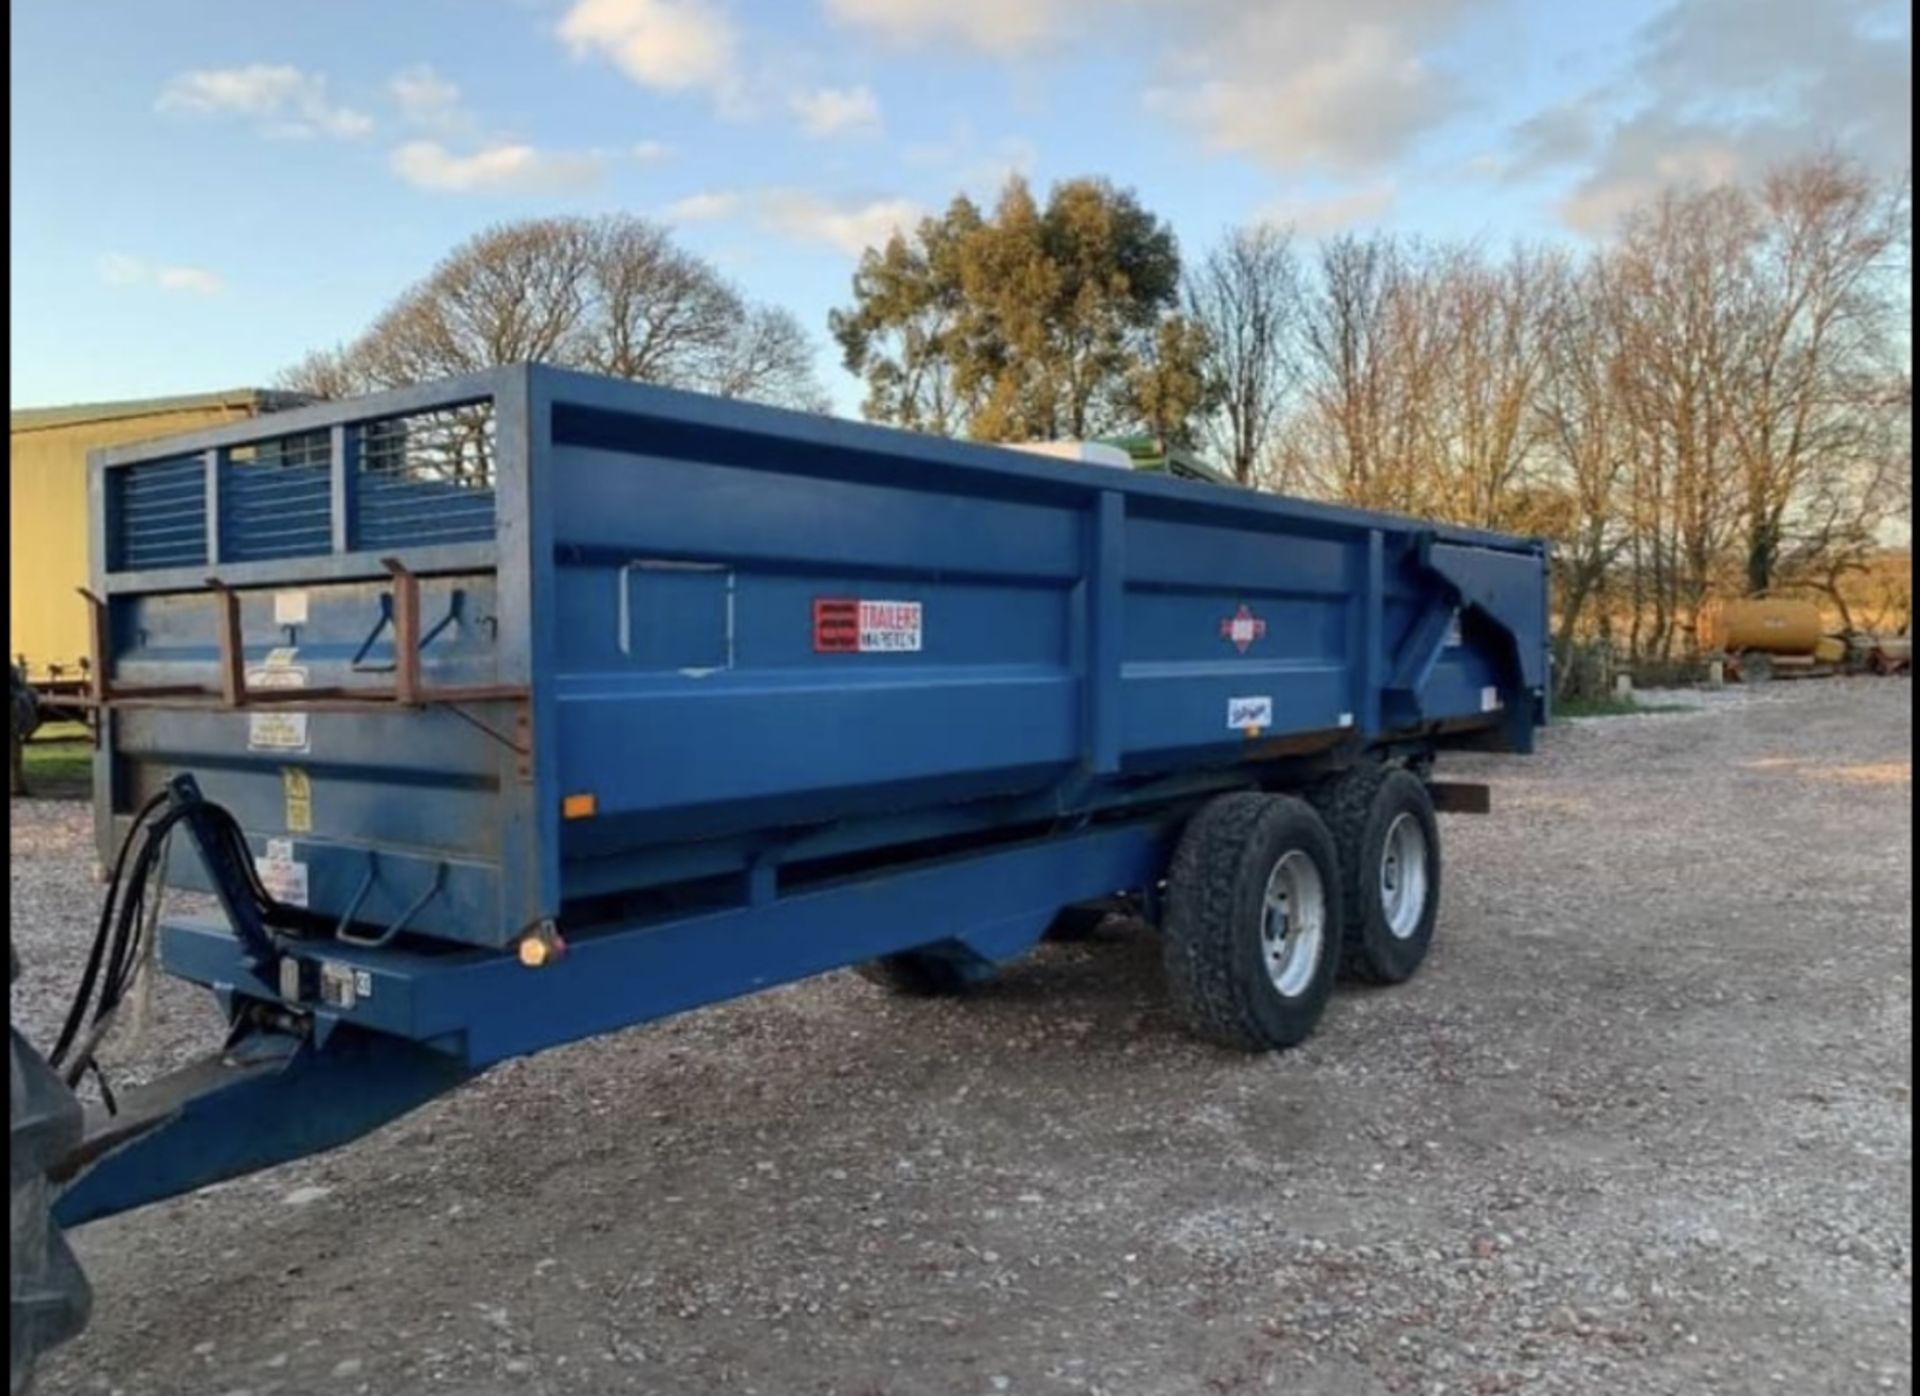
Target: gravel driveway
(1642,1125)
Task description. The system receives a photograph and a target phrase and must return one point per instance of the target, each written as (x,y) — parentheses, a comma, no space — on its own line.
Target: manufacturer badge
(1243,627)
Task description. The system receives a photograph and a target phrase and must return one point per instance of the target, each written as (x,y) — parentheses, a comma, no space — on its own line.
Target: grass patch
(1612,705)
(59,766)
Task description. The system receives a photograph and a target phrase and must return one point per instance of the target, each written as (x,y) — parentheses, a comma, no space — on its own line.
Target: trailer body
(712,696)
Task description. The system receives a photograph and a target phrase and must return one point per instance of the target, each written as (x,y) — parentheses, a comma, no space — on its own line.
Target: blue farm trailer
(510,710)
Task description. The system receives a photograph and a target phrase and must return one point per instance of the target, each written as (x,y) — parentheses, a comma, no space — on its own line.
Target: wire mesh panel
(276,499)
(426,478)
(158,515)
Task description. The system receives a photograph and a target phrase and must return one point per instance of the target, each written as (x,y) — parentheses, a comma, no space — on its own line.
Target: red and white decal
(1243,627)
(853,625)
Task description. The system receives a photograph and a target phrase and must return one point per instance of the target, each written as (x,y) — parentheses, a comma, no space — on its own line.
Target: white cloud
(429,100)
(704,208)
(831,111)
(668,45)
(851,225)
(998,27)
(1720,89)
(1649,153)
(290,103)
(505,167)
(1551,139)
(1333,213)
(652,152)
(118,269)
(1338,86)
(196,279)
(121,269)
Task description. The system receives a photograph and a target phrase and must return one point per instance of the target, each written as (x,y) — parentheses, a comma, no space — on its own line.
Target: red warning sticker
(836,625)
(852,625)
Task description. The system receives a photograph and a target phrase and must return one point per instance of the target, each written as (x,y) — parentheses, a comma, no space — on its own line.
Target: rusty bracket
(520,743)
(409,690)
(233,655)
(406,632)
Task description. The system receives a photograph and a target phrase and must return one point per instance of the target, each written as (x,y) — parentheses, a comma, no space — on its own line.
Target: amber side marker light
(539,949)
(579,807)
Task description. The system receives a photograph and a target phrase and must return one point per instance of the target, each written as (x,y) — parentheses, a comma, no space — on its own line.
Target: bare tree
(611,295)
(1496,319)
(1338,447)
(1681,263)
(1589,446)
(1247,298)
(1818,325)
(1718,401)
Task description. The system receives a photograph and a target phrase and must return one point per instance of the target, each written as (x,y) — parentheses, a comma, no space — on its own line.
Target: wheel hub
(1293,923)
(1404,876)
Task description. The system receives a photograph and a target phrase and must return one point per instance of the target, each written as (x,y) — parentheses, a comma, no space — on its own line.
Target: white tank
(1086,452)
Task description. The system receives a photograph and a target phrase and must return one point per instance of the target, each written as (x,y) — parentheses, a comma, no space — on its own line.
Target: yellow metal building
(47,506)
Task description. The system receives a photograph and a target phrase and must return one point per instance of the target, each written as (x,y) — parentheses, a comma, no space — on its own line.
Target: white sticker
(289,608)
(337,988)
(276,731)
(1346,719)
(283,875)
(278,676)
(1454,640)
(892,626)
(281,658)
(1244,714)
(1489,700)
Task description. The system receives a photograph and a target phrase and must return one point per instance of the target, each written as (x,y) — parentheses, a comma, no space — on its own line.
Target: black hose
(114,959)
(76,1015)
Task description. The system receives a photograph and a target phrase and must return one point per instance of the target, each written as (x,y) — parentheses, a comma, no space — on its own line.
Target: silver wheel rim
(1293,923)
(1403,876)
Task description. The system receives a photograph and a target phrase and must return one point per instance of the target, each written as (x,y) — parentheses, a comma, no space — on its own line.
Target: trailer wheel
(1382,821)
(1253,922)
(49,1297)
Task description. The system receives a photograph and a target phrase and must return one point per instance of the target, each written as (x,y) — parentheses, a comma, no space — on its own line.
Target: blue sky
(205,190)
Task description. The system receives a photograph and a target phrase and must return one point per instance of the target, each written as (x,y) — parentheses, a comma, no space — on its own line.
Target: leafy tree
(1033,323)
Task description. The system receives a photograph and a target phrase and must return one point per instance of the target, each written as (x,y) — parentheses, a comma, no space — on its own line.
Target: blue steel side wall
(1072,641)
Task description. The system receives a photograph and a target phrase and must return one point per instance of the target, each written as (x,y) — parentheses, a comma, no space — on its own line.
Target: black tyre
(1382,822)
(1253,926)
(49,1296)
(918,974)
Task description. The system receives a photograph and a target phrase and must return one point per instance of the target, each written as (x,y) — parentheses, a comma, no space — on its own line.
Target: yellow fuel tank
(1764,624)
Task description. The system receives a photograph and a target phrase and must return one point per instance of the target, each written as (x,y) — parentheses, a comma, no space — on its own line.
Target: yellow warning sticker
(299,799)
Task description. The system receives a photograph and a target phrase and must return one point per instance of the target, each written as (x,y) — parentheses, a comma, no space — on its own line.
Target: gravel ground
(1643,1124)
